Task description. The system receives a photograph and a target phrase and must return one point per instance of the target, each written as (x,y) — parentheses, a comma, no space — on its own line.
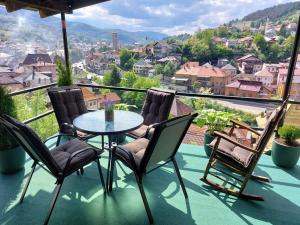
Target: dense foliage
(64,74)
(7,106)
(214,120)
(113,77)
(30,105)
(289,133)
(274,12)
(126,59)
(131,80)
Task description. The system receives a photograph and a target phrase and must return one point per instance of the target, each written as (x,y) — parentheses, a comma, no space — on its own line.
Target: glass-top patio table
(94,123)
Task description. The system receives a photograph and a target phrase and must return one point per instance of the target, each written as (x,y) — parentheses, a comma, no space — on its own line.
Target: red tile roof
(193,69)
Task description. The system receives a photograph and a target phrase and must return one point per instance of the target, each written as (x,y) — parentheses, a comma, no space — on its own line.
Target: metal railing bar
(38,117)
(24,91)
(192,94)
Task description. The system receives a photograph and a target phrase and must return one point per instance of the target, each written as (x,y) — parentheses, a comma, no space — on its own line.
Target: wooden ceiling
(48,7)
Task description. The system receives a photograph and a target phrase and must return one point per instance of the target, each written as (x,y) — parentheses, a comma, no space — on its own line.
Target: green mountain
(276,13)
(27,26)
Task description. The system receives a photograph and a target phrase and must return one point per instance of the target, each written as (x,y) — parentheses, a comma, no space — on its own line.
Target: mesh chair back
(157,106)
(166,140)
(68,103)
(31,143)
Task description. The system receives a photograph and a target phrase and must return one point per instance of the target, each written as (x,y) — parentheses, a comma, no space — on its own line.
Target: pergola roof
(48,7)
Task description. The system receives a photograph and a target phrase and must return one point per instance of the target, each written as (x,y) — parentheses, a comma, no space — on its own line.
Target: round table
(94,123)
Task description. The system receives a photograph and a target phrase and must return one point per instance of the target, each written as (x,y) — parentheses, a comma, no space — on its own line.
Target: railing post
(65,38)
(292,66)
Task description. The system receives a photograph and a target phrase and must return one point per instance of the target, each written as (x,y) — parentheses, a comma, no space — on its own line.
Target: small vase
(109,115)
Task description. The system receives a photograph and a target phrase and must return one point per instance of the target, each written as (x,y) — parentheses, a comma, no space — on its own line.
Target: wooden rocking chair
(239,158)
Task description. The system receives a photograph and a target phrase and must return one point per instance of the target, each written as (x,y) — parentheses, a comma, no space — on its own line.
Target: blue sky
(167,16)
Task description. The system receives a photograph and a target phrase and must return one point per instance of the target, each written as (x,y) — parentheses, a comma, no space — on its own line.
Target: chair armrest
(233,141)
(77,153)
(244,126)
(70,126)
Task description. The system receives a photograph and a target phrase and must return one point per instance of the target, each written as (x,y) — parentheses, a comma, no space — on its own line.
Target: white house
(265,77)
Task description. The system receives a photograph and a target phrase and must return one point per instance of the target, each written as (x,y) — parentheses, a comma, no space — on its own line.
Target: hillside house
(202,76)
(249,64)
(246,88)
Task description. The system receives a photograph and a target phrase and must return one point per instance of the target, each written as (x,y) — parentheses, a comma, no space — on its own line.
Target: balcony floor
(82,200)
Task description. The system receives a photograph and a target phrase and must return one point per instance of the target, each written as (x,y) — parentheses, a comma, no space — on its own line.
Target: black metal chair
(143,155)
(68,103)
(60,162)
(238,161)
(156,108)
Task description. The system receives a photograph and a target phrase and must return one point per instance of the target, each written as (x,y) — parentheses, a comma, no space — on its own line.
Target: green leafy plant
(7,107)
(123,106)
(64,74)
(214,120)
(289,134)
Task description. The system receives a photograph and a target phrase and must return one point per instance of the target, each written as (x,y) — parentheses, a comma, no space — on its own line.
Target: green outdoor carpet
(82,200)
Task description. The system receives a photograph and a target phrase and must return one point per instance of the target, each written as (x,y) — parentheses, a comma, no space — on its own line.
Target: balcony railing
(49,111)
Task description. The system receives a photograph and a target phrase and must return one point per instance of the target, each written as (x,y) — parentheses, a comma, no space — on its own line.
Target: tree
(159,69)
(125,56)
(64,74)
(112,78)
(130,79)
(169,69)
(260,43)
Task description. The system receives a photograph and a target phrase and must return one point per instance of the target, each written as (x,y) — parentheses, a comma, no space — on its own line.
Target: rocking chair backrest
(31,143)
(270,127)
(165,141)
(67,103)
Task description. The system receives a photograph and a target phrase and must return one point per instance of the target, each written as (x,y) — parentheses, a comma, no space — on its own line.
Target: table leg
(109,164)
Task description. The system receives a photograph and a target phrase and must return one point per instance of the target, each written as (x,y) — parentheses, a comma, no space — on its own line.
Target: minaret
(267,25)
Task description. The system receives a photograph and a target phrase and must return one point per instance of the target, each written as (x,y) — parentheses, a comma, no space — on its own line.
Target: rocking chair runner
(239,158)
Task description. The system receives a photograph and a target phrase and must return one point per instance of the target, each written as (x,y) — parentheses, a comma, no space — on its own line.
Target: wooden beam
(12,6)
(47,5)
(80,4)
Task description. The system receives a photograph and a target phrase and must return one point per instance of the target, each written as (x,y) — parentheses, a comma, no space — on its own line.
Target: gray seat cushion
(62,153)
(233,152)
(140,132)
(136,148)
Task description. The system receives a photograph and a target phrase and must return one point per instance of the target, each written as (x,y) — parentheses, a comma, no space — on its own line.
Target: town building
(96,101)
(230,70)
(265,77)
(281,81)
(142,68)
(206,77)
(249,64)
(246,88)
(246,41)
(115,45)
(232,43)
(40,63)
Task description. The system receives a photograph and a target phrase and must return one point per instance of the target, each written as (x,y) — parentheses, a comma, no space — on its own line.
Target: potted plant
(215,121)
(12,156)
(286,148)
